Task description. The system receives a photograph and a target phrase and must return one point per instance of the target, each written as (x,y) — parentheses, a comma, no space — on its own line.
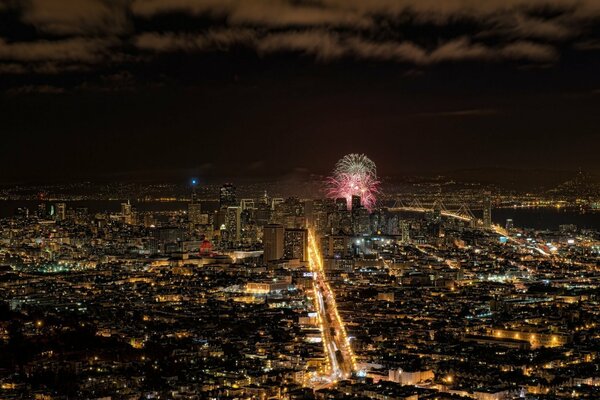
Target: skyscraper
(361,222)
(227,196)
(60,213)
(404,232)
(273,238)
(509,225)
(194,213)
(247,204)
(341,204)
(233,223)
(487,210)
(356,204)
(127,213)
(295,244)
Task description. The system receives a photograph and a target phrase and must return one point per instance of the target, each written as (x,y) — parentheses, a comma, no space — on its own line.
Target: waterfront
(546,218)
(535,218)
(8,207)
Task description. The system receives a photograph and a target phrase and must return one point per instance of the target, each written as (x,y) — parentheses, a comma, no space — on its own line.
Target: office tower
(275,202)
(233,223)
(42,212)
(262,215)
(127,213)
(60,211)
(194,213)
(336,246)
(356,202)
(392,227)
(404,232)
(295,244)
(227,196)
(249,232)
(341,204)
(22,212)
(487,210)
(361,221)
(149,220)
(273,238)
(247,204)
(169,238)
(509,225)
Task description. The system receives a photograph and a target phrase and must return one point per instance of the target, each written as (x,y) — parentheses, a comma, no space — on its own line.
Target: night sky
(163,89)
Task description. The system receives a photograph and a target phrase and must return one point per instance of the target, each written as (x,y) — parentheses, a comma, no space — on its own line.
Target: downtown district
(290,298)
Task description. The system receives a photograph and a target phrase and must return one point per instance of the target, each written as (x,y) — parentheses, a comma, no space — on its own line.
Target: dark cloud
(212,40)
(29,89)
(66,17)
(523,26)
(274,13)
(360,13)
(69,35)
(327,46)
(71,49)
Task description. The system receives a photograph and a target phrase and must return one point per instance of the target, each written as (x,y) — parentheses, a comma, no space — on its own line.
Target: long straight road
(335,340)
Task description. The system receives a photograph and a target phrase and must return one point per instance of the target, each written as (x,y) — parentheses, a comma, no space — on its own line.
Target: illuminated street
(335,340)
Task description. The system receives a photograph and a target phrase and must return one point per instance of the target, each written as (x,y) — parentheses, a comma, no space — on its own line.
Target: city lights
(300,199)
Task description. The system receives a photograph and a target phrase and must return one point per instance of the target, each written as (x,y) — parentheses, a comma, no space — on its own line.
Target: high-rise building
(404,232)
(361,222)
(233,223)
(509,225)
(227,196)
(249,233)
(60,211)
(169,238)
(487,210)
(247,204)
(356,204)
(127,213)
(341,204)
(42,211)
(336,246)
(263,214)
(194,213)
(275,201)
(295,244)
(273,238)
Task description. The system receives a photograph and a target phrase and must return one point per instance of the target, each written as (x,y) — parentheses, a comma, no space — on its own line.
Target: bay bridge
(462,212)
(458,210)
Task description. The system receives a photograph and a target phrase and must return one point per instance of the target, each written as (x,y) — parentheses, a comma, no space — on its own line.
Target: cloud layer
(327,46)
(77,34)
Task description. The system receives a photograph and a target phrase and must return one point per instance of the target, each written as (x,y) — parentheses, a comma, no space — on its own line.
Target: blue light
(194,181)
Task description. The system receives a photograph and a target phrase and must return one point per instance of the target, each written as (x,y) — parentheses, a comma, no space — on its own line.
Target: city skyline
(299,199)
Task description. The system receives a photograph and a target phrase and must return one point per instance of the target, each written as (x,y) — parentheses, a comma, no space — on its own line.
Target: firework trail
(354,175)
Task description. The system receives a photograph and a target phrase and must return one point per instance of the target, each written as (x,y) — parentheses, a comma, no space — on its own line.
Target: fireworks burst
(354,175)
